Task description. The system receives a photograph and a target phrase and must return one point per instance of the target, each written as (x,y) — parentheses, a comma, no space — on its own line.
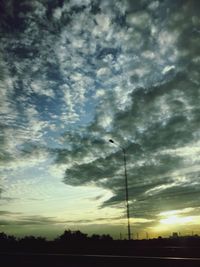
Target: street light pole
(126,190)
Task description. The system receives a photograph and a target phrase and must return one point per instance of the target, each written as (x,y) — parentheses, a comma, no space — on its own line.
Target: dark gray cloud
(158,127)
(92,221)
(17,218)
(5,212)
(152,158)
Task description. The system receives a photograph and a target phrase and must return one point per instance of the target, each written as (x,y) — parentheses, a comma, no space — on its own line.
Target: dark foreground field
(64,260)
(75,249)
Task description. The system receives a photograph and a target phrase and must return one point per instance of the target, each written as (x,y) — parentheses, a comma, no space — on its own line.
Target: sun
(174,220)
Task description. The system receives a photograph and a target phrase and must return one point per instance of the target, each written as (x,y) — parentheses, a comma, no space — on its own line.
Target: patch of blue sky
(89,112)
(52,138)
(46,105)
(32,173)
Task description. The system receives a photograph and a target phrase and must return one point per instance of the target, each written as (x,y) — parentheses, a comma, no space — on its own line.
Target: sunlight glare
(176,220)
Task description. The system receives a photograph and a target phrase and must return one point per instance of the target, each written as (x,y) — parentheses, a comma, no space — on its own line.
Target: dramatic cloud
(75,74)
(155,117)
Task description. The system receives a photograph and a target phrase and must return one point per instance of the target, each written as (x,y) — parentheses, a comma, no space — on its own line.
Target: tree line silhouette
(69,241)
(76,242)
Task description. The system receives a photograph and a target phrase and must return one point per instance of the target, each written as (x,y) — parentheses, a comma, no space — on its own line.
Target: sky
(76,73)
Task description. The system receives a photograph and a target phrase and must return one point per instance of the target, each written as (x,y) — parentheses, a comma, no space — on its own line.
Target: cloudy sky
(76,73)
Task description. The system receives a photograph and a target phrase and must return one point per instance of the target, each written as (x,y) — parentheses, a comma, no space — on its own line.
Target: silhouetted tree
(3,236)
(79,236)
(68,235)
(95,237)
(106,238)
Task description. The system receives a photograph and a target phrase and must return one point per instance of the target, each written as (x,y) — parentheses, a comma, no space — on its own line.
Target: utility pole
(137,236)
(120,236)
(126,190)
(147,235)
